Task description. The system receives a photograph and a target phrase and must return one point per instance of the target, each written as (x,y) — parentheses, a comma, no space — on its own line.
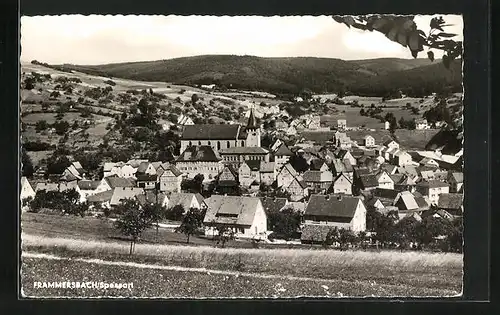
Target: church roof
(252,123)
(210,132)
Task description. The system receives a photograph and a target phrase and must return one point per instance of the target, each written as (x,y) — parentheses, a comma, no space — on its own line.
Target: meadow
(301,269)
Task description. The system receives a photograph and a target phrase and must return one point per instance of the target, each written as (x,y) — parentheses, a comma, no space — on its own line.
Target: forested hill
(289,75)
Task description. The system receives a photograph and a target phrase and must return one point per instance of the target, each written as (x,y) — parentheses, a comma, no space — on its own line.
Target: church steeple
(252,123)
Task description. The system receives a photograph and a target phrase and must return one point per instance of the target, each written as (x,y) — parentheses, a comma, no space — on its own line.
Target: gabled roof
(398,178)
(316,164)
(101,197)
(271,204)
(122,193)
(115,181)
(450,201)
(283,150)
(389,141)
(136,162)
(183,199)
(290,169)
(318,176)
(362,171)
(143,167)
(385,193)
(210,132)
(88,184)
(368,181)
(332,206)
(408,170)
(432,184)
(63,186)
(252,123)
(147,178)
(298,180)
(458,177)
(340,176)
(233,210)
(203,153)
(174,171)
(408,200)
(150,197)
(254,165)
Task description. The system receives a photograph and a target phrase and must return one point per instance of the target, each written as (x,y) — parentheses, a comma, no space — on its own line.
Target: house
(100,200)
(244,215)
(87,188)
(314,123)
(428,162)
(248,172)
(453,203)
(421,124)
(342,185)
(341,124)
(267,172)
(282,155)
(368,182)
(151,197)
(409,171)
(318,165)
(146,168)
(147,181)
(426,173)
(384,180)
(369,141)
(402,158)
(342,140)
(227,181)
(391,144)
(389,168)
(184,120)
(72,173)
(324,212)
(297,189)
(186,200)
(431,189)
(347,155)
(114,181)
(405,200)
(286,175)
(64,186)
(199,160)
(26,189)
(122,193)
(170,179)
(375,204)
(318,181)
(339,166)
(46,187)
(119,169)
(456,181)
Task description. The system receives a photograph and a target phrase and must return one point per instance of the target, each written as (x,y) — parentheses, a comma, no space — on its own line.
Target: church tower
(253,131)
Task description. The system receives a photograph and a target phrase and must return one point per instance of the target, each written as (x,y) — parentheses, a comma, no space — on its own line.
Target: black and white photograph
(241,157)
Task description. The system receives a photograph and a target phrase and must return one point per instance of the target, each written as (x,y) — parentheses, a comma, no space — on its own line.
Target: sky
(100,39)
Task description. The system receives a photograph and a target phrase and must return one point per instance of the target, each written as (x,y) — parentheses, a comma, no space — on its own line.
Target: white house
(384,180)
(244,215)
(186,200)
(369,141)
(342,185)
(432,189)
(199,160)
(170,179)
(286,175)
(26,189)
(421,124)
(267,172)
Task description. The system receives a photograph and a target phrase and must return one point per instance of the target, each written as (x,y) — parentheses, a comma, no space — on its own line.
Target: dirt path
(332,282)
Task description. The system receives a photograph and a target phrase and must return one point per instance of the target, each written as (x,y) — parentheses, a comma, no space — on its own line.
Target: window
(209,143)
(228,144)
(218,145)
(190,144)
(199,142)
(242,143)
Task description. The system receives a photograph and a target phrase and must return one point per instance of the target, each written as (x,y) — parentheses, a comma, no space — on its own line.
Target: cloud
(98,39)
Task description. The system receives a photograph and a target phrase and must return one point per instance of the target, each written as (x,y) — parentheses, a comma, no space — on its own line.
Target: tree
(285,223)
(57,164)
(362,111)
(192,221)
(194,98)
(175,213)
(61,127)
(431,227)
(132,221)
(29,83)
(403,30)
(41,125)
(346,237)
(224,234)
(155,212)
(332,237)
(27,164)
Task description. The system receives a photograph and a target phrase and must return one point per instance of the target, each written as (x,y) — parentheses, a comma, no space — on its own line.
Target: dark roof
(88,184)
(368,181)
(385,193)
(273,204)
(210,132)
(458,177)
(316,164)
(397,178)
(143,167)
(432,184)
(227,183)
(253,164)
(386,142)
(101,197)
(283,150)
(115,181)
(332,206)
(203,153)
(362,171)
(244,150)
(450,201)
(146,178)
(388,167)
(252,124)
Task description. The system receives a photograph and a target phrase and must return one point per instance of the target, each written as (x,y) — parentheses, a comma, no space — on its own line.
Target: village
(224,171)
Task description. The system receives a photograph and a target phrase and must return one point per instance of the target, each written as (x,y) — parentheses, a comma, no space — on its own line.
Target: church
(234,143)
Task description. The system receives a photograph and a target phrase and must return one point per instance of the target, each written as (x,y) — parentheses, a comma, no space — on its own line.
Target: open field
(408,139)
(351,272)
(408,272)
(70,117)
(173,282)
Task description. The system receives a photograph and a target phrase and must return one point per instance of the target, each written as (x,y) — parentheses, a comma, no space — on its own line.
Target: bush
(175,213)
